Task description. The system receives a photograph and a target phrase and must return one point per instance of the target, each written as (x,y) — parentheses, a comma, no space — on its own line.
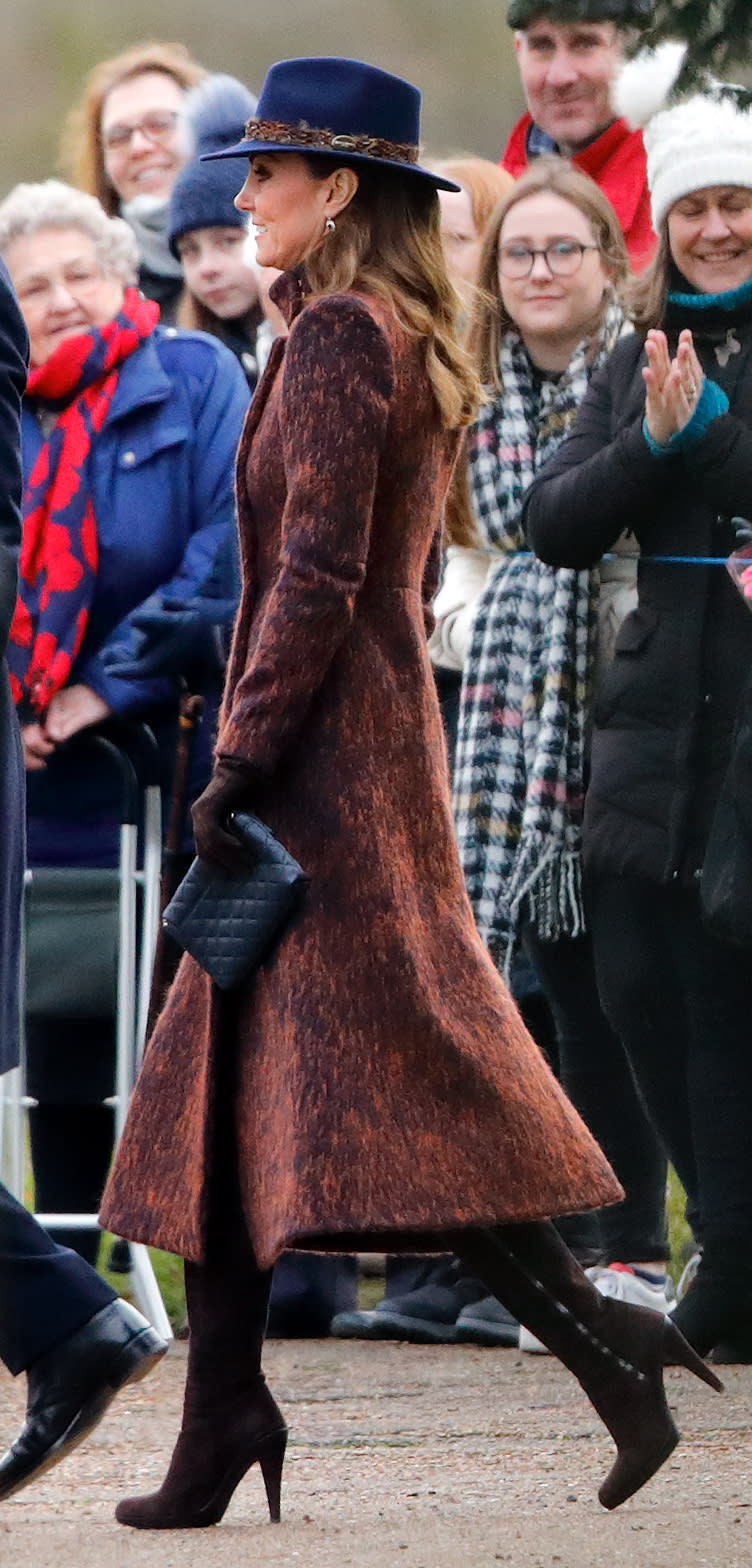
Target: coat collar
(143,380)
(289,293)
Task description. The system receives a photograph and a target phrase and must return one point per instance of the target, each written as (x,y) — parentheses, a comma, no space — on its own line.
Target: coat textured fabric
(616,161)
(386,1089)
(665,707)
(13,360)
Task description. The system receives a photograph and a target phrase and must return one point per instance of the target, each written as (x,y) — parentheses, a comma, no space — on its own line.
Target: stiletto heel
(616,1351)
(271,1460)
(679,1353)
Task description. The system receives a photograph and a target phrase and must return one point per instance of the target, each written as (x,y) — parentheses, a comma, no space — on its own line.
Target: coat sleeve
(465,574)
(334,409)
(165,621)
(13,362)
(595,486)
(719,466)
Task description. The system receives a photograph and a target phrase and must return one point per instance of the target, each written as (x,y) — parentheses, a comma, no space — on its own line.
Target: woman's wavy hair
(81,149)
(387,242)
(491,320)
(647,295)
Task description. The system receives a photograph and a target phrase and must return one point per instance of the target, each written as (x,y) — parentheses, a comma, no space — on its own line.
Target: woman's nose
(540,267)
(61,297)
(715,224)
(244,199)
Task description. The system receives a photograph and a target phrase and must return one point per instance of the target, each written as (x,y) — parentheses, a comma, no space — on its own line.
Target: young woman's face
(61,287)
(141,135)
(215,270)
(550,308)
(288,208)
(710,237)
(460,239)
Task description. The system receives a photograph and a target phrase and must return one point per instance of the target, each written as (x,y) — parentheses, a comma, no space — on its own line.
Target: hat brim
(247,150)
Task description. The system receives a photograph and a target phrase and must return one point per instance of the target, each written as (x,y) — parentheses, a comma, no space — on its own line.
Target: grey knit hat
(626,13)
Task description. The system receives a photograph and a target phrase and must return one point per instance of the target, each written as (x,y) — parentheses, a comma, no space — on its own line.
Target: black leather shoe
(426,1316)
(71,1386)
(487,1322)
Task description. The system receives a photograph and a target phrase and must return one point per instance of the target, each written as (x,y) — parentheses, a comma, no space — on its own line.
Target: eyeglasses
(562,257)
(155,127)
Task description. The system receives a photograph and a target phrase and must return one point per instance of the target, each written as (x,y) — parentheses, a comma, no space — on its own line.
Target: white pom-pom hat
(703,140)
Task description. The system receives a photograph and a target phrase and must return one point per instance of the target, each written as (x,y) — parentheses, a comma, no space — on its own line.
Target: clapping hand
(673,387)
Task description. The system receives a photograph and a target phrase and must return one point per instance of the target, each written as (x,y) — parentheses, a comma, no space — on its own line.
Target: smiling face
(61,288)
(215,270)
(566,72)
(289,207)
(141,136)
(710,237)
(552,314)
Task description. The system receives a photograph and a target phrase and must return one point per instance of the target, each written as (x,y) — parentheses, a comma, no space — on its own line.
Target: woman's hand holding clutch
(228,790)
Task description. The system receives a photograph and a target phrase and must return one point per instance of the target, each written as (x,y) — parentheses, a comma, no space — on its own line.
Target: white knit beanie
(704,140)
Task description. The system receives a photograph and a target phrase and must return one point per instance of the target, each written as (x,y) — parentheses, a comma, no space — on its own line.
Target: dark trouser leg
(46,1291)
(615,1350)
(645,1002)
(717,981)
(70,1071)
(307,1292)
(595,1072)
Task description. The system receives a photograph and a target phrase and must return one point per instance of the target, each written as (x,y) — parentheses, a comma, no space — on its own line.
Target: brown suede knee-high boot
(616,1351)
(230,1420)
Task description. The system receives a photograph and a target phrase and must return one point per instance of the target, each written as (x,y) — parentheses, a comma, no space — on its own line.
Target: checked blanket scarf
(518,778)
(59,551)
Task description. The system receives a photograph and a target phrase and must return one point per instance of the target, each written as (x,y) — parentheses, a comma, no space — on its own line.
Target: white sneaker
(618,1281)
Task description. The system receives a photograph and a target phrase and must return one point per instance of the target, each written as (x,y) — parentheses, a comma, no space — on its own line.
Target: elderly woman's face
(61,287)
(710,237)
(141,135)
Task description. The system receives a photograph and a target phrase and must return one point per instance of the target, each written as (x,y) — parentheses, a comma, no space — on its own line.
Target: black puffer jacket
(665,707)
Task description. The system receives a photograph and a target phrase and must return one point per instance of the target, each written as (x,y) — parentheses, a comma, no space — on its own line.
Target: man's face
(567,70)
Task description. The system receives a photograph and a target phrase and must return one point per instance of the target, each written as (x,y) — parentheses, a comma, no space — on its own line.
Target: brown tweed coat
(385,1087)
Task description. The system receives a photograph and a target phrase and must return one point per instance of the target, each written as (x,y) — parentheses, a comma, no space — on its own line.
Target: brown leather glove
(228,790)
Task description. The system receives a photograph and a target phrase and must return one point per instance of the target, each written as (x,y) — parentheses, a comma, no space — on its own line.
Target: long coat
(665,707)
(386,1088)
(13,358)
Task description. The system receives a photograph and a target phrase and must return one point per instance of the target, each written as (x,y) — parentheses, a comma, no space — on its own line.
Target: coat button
(170,332)
(129,459)
(707,698)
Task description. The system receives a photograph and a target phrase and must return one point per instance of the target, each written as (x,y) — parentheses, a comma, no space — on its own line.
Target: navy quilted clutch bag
(229,921)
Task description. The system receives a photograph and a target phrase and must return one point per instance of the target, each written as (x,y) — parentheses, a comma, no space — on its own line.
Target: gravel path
(406,1457)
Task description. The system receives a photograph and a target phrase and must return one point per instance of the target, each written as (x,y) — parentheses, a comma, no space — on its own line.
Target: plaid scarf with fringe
(518,777)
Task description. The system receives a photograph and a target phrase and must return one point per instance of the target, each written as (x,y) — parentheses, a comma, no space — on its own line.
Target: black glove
(228,790)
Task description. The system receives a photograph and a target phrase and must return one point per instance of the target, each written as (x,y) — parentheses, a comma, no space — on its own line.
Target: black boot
(230,1420)
(616,1351)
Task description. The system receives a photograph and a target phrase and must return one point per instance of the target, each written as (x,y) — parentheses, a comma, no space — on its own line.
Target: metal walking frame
(131,752)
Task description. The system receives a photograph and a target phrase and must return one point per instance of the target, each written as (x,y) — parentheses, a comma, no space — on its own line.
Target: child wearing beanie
(205,231)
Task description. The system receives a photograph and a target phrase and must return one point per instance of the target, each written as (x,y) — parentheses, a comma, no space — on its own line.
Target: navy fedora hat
(337,106)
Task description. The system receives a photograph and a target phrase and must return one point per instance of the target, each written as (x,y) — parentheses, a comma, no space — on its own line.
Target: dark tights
(594,1070)
(681,1002)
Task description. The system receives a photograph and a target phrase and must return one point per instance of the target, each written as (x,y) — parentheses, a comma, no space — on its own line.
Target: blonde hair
(81,149)
(647,296)
(491,321)
(387,242)
(486,184)
(54,205)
